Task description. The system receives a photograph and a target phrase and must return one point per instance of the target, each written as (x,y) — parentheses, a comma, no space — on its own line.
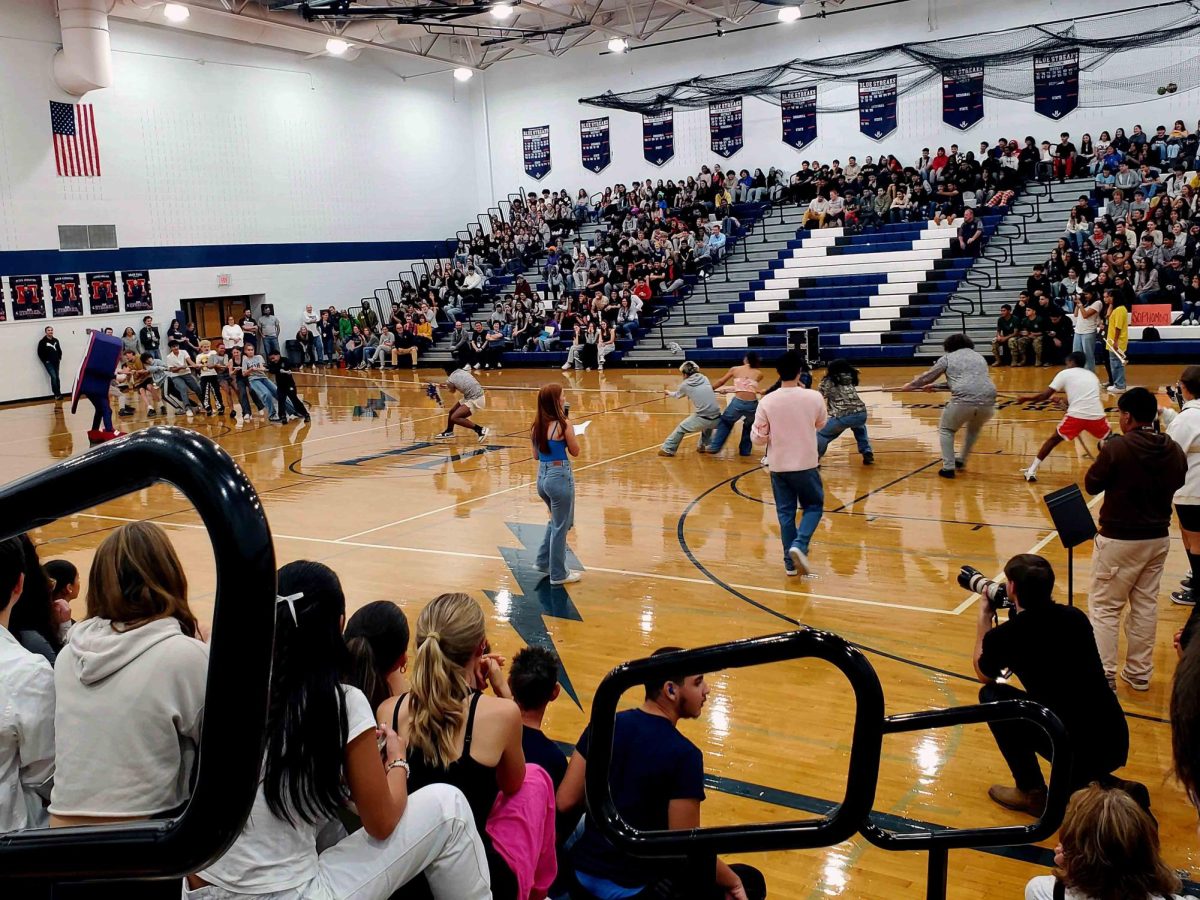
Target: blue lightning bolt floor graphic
(374,406)
(526,611)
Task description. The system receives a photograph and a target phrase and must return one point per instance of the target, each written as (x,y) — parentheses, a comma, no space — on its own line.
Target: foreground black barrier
(53,862)
(700,847)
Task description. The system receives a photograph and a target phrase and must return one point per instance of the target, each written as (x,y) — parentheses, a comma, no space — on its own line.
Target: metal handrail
(239,669)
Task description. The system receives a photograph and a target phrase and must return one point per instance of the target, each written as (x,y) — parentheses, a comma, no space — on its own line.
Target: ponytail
(449,632)
(364,674)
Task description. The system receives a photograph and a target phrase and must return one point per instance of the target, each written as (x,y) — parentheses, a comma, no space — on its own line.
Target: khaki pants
(1127,573)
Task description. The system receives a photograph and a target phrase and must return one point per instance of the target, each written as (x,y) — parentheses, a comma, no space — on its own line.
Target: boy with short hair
(285,386)
(533,680)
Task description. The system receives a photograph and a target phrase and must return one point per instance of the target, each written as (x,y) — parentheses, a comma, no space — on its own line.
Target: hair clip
(290,600)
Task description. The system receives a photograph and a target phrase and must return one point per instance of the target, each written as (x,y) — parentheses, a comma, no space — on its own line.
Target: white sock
(1033,466)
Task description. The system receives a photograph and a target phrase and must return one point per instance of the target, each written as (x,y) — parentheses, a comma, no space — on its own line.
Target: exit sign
(224,280)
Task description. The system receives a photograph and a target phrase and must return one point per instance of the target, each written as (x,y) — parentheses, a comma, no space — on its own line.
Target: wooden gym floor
(683,551)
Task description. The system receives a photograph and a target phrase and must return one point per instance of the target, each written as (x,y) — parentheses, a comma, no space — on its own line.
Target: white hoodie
(127,722)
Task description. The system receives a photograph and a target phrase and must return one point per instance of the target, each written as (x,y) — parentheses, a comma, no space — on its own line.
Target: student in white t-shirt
(1086,319)
(1085,412)
(1108,847)
(323,751)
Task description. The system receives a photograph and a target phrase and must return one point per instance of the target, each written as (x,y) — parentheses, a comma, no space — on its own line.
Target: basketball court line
(1036,548)
(629,573)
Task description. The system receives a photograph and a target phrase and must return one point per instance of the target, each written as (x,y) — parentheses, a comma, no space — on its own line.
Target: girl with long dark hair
(377,638)
(555,442)
(846,409)
(322,752)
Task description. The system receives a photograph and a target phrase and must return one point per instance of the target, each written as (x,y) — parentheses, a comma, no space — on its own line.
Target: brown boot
(1031,803)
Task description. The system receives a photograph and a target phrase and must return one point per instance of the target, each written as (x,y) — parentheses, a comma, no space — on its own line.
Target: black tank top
(475,780)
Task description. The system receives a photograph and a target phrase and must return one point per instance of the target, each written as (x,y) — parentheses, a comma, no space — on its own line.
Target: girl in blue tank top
(554,442)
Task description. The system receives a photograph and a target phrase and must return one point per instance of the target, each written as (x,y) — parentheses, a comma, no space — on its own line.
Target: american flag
(76,149)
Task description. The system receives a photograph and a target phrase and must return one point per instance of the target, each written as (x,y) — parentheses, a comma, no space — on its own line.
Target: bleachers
(873,295)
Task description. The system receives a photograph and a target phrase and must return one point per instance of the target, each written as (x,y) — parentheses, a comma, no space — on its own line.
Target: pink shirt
(787,422)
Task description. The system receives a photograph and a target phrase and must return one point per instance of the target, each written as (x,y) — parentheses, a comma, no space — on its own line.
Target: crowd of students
(397,764)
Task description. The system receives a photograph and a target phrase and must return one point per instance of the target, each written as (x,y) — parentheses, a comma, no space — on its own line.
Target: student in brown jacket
(1139,473)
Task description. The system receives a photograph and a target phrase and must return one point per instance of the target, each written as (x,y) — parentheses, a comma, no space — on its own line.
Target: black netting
(1007,57)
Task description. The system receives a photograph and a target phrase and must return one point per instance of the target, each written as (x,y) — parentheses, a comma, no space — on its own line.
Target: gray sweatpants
(954,417)
(691,425)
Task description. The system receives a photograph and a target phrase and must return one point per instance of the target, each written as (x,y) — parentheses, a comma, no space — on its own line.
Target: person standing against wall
(554,442)
(49,351)
(268,330)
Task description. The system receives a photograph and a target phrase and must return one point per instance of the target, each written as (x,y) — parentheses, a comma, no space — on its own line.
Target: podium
(1074,524)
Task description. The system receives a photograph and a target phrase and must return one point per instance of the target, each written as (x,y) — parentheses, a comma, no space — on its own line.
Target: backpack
(1150,333)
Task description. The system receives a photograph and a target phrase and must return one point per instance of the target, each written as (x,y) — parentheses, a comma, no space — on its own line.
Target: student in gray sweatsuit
(707,414)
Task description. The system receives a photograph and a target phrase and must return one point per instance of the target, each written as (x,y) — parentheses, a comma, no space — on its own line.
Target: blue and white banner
(658,136)
(799,110)
(595,144)
(536,144)
(877,106)
(1056,83)
(962,96)
(725,126)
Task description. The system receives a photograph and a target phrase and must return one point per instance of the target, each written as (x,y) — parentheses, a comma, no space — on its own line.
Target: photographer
(1050,647)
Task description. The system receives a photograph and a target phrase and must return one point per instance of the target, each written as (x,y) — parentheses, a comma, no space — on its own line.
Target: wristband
(398,763)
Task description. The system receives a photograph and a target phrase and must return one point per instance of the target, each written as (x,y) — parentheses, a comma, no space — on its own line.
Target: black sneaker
(868,459)
(1183,598)
(946,473)
(959,464)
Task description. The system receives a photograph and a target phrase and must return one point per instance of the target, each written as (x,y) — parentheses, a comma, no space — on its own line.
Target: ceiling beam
(697,10)
(567,17)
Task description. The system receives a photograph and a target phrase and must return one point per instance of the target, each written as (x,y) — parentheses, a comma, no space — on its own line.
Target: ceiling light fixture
(337,47)
(462,73)
(502,11)
(176,12)
(789,13)
(618,45)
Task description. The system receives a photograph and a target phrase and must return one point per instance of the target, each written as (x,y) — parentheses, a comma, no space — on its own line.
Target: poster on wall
(658,136)
(877,106)
(1056,83)
(595,144)
(725,126)
(962,96)
(102,292)
(3,307)
(27,298)
(65,299)
(799,111)
(137,291)
(536,144)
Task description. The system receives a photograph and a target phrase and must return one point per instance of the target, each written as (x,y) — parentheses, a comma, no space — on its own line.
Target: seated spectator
(1006,329)
(818,209)
(130,687)
(377,638)
(456,734)
(27,713)
(533,681)
(35,620)
(970,235)
(321,753)
(1107,850)
(658,783)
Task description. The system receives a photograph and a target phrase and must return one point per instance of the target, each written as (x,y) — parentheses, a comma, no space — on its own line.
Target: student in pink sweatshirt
(787,421)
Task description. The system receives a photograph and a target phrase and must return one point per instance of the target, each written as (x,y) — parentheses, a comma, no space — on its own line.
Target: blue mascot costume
(95,375)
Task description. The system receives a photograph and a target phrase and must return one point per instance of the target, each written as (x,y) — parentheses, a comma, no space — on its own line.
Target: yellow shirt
(1118,327)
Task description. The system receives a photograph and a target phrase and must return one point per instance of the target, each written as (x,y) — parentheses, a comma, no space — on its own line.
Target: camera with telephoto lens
(995,593)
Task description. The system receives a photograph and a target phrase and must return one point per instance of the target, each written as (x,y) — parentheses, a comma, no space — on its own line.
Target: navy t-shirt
(652,765)
(542,751)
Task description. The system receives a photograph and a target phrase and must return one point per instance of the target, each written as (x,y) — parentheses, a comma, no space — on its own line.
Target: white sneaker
(191,415)
(571,578)
(238,422)
(1029,476)
(799,561)
(483,433)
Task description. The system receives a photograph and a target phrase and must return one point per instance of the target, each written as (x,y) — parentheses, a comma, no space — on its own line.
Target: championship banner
(658,136)
(28,302)
(962,96)
(3,308)
(1056,83)
(877,106)
(725,126)
(536,144)
(799,110)
(102,292)
(65,299)
(137,291)
(595,144)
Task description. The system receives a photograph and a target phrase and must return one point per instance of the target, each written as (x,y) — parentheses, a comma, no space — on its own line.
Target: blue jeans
(556,487)
(797,489)
(52,371)
(737,409)
(270,345)
(262,389)
(1116,369)
(1086,344)
(856,422)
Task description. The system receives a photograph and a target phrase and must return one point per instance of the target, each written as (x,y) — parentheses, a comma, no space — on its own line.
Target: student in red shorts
(1085,412)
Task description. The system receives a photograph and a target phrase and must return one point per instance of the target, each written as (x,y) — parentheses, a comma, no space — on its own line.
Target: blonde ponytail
(449,631)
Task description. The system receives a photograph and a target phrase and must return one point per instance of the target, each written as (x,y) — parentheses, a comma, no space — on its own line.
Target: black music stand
(1073,522)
